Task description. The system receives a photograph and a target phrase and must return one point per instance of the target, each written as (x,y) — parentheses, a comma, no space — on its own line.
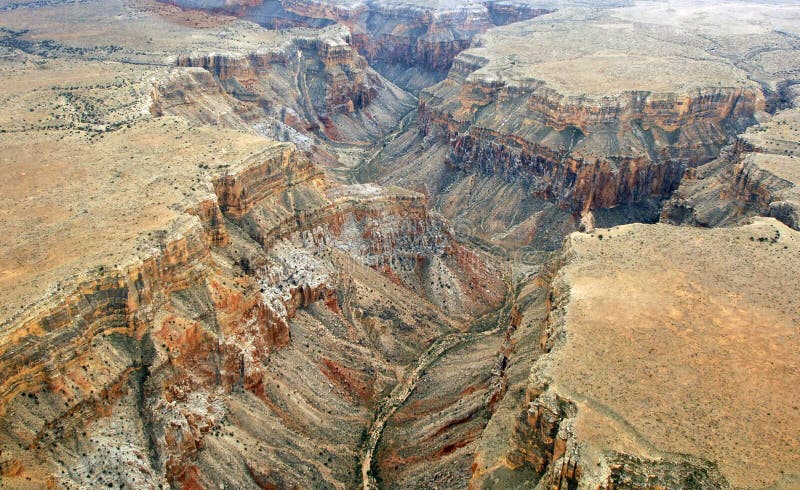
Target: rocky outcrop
(390,231)
(582,154)
(412,44)
(53,344)
(239,191)
(757,176)
(350,85)
(520,146)
(147,338)
(186,328)
(638,473)
(48,358)
(579,432)
(399,37)
(427,40)
(324,86)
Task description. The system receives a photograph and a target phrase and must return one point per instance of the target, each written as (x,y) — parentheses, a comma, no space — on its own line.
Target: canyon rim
(395,244)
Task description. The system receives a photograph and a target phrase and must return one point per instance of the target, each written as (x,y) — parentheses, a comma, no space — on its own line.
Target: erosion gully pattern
(399,244)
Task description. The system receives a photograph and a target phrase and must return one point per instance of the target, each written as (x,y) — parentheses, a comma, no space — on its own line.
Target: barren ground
(683,340)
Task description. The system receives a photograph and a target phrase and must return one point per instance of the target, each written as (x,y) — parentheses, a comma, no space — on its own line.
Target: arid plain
(399,244)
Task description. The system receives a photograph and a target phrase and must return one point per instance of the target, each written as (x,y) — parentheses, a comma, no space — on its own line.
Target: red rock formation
(213,222)
(239,191)
(756,176)
(387,33)
(314,84)
(349,84)
(414,36)
(561,152)
(65,367)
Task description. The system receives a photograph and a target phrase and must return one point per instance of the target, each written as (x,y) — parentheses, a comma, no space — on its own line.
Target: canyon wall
(568,121)
(185,302)
(582,154)
(608,406)
(419,36)
(313,83)
(349,84)
(756,176)
(185,287)
(171,340)
(412,44)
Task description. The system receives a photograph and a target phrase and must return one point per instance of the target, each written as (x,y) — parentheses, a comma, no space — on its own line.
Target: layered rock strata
(179,334)
(313,83)
(595,126)
(423,37)
(175,290)
(412,43)
(186,303)
(583,141)
(757,176)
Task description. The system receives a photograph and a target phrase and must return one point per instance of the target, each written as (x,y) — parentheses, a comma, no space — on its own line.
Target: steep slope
(312,82)
(758,176)
(414,43)
(305,86)
(602,119)
(192,297)
(669,362)
(654,332)
(444,430)
(186,302)
(411,43)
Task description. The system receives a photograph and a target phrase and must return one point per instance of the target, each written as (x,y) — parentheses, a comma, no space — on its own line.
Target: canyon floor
(399,244)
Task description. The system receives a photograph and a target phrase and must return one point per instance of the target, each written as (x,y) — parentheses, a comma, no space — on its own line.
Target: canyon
(398,244)
(756,176)
(407,41)
(546,139)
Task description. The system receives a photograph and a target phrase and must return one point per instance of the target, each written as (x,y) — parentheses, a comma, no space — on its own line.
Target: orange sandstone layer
(590,118)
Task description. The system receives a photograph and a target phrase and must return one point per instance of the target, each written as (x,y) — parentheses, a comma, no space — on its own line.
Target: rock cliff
(758,175)
(310,83)
(227,285)
(610,406)
(170,340)
(595,127)
(408,40)
(412,43)
(585,143)
(197,292)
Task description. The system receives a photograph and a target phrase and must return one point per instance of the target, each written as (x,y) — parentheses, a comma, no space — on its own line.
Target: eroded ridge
(759,175)
(181,287)
(604,112)
(202,286)
(583,118)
